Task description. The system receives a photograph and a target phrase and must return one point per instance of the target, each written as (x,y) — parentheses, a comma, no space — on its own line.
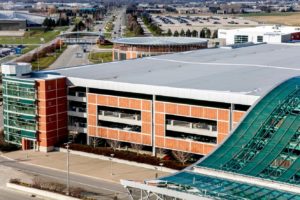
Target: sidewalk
(85,166)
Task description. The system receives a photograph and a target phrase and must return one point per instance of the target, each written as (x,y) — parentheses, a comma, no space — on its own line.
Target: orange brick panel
(197,112)
(210,113)
(46,118)
(171,108)
(92,109)
(223,115)
(102,100)
(146,116)
(223,127)
(197,148)
(146,139)
(171,143)
(45,103)
(146,105)
(92,120)
(91,131)
(208,148)
(221,138)
(136,138)
(146,128)
(46,95)
(123,102)
(112,134)
(124,136)
(159,107)
(159,118)
(47,110)
(112,101)
(92,98)
(183,145)
(159,142)
(159,130)
(47,126)
(135,104)
(102,132)
(183,110)
(237,116)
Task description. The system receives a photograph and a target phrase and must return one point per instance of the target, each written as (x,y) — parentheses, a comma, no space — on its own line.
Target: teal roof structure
(265,145)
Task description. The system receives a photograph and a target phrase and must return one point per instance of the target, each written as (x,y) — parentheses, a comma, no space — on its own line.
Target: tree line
(204,33)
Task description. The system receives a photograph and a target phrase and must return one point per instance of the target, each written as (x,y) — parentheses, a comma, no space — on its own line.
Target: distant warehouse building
(138,47)
(16,20)
(268,34)
(187,101)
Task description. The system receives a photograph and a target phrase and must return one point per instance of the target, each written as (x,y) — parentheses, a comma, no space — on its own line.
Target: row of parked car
(6,50)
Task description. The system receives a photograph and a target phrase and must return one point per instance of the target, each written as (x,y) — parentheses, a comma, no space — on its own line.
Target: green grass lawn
(33,36)
(46,61)
(100,57)
(110,46)
(267,14)
(129,33)
(29,48)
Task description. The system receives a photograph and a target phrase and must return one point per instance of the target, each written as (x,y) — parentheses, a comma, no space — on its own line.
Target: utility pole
(68,168)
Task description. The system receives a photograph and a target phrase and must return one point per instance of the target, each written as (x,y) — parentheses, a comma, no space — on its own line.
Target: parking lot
(178,22)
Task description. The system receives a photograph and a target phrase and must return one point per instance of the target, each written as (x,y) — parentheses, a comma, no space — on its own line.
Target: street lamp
(68,167)
(111,159)
(161,165)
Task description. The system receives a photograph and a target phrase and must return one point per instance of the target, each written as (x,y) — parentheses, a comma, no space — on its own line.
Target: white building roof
(238,75)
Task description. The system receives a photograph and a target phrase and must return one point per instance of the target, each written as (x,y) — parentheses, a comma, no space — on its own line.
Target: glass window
(260,38)
(239,39)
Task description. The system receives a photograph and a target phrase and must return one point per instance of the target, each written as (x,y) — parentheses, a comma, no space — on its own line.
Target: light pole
(111,160)
(161,165)
(68,168)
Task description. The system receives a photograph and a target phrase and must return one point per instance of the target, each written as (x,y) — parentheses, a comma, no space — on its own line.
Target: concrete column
(153,126)
(231,117)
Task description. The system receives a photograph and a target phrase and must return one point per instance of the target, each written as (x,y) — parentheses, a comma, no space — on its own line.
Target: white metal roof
(238,75)
(157,41)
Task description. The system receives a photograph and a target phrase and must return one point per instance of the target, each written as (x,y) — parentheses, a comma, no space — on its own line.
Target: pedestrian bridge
(80,37)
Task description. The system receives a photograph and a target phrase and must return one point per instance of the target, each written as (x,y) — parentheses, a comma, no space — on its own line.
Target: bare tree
(161,151)
(181,156)
(114,144)
(95,141)
(137,147)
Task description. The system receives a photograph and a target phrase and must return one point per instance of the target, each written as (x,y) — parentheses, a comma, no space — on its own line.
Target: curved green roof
(266,144)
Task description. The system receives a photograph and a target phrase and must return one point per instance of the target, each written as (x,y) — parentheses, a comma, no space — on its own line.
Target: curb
(38,192)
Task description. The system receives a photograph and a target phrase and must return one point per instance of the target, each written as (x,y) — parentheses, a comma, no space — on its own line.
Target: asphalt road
(104,187)
(72,56)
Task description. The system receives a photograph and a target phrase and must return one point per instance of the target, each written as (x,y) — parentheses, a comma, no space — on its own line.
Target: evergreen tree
(182,33)
(176,34)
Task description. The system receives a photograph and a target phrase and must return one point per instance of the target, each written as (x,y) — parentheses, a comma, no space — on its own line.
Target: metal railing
(199,125)
(120,115)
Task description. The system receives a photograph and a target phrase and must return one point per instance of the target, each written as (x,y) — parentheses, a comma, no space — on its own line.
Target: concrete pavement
(107,190)
(90,167)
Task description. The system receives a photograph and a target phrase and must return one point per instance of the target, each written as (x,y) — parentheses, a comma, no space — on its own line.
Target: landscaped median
(50,190)
(126,157)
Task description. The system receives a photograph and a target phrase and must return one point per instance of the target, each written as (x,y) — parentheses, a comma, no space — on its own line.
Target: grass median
(33,36)
(100,57)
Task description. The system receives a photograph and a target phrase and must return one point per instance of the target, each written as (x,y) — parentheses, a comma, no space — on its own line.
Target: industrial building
(138,47)
(16,20)
(187,101)
(267,34)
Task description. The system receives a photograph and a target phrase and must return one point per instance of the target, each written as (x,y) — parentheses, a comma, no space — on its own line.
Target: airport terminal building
(187,101)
